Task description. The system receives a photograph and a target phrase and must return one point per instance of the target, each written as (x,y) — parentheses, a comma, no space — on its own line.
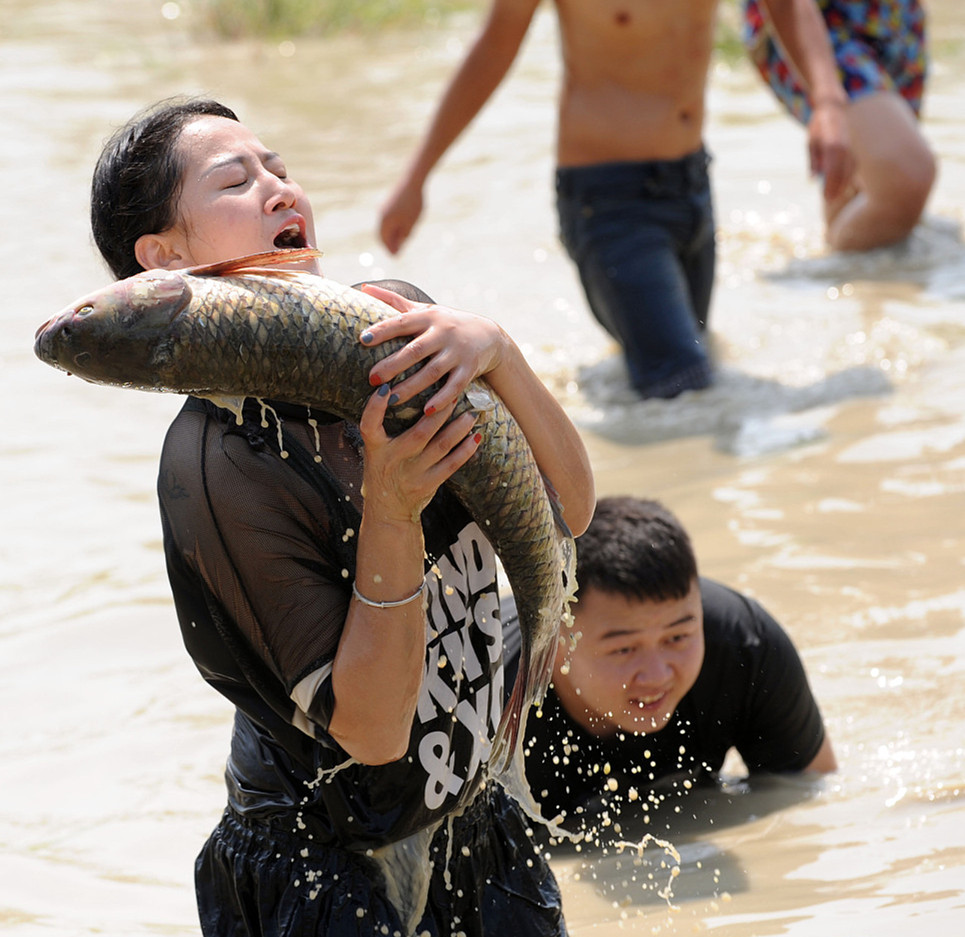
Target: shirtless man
(633,192)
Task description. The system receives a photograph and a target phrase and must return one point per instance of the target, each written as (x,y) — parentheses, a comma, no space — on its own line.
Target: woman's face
(236,199)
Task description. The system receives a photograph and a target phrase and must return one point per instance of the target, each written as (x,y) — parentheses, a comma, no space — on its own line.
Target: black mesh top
(260,521)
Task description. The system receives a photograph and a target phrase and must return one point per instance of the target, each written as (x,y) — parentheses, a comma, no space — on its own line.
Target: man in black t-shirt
(662,674)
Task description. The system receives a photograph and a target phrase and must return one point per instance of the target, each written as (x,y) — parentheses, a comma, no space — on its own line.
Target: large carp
(237,329)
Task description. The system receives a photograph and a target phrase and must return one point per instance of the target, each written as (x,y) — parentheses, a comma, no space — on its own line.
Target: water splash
(667,892)
(744,414)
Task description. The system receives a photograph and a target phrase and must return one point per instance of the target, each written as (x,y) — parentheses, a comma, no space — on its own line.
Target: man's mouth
(290,238)
(645,702)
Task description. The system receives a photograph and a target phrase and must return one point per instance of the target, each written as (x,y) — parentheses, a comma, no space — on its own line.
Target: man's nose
(650,670)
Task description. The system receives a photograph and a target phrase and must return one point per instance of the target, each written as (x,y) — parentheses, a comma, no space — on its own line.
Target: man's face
(633,662)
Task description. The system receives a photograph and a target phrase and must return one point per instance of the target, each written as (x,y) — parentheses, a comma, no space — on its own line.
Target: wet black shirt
(260,549)
(752,693)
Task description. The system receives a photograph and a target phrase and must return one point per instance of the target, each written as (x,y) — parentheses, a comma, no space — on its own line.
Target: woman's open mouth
(290,237)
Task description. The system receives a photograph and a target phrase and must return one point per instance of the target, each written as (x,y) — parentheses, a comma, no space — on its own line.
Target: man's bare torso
(635,72)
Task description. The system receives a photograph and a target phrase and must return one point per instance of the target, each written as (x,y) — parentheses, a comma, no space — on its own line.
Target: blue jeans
(642,237)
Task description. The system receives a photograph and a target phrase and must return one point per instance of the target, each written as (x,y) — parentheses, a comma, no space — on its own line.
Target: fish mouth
(292,236)
(40,332)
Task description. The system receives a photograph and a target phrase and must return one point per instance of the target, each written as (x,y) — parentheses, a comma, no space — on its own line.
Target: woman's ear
(154,251)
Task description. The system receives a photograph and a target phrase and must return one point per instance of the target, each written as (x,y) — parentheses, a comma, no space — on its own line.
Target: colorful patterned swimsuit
(879,46)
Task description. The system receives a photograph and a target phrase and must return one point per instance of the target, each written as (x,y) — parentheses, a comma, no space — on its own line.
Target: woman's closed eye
(235,180)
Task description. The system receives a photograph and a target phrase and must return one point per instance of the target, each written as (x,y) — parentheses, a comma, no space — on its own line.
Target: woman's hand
(402,473)
(455,348)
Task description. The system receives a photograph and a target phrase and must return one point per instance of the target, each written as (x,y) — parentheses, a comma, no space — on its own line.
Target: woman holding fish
(330,577)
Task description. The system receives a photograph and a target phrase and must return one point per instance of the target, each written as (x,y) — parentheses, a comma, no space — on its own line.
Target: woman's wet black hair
(635,548)
(137,179)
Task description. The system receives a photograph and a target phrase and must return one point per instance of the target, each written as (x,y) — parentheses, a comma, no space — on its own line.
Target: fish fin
(480,400)
(557,507)
(526,691)
(252,263)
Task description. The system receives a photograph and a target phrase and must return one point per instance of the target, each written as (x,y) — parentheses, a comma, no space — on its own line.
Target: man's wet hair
(635,548)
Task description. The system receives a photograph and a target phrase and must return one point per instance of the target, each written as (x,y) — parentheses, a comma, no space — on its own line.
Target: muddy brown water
(824,474)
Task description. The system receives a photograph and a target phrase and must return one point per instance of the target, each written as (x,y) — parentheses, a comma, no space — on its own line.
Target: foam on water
(745,414)
(932,249)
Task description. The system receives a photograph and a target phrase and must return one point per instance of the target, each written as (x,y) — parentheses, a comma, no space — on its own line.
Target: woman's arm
(555,442)
(378,667)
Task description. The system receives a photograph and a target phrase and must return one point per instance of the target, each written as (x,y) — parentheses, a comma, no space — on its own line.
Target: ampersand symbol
(435,758)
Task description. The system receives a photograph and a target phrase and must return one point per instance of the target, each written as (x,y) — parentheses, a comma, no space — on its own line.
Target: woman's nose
(284,195)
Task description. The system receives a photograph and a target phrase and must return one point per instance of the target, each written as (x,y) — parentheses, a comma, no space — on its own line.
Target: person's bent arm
(378,668)
(555,442)
(477,78)
(824,761)
(802,32)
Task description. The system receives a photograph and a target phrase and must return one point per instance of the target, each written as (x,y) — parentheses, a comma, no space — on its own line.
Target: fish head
(114,336)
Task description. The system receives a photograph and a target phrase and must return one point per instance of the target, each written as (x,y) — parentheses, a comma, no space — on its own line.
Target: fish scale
(237,329)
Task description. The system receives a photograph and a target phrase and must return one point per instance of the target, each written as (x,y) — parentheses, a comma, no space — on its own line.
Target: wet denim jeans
(642,237)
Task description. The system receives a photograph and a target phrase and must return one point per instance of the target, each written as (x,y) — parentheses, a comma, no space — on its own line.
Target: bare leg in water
(896,170)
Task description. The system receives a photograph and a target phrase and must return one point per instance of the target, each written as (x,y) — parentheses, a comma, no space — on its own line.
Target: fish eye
(84,310)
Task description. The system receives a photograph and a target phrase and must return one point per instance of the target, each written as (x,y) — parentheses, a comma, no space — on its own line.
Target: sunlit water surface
(824,474)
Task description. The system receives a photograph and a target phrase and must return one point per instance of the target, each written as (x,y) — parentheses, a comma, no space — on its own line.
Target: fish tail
(512,725)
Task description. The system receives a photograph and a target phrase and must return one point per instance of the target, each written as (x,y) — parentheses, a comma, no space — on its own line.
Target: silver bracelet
(415,595)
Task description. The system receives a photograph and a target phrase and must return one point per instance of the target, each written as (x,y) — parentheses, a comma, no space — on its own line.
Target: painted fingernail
(365,338)
(375,380)
(477,437)
(383,390)
(393,399)
(430,410)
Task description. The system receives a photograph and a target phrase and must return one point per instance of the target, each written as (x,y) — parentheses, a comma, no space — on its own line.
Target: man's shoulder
(730,615)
